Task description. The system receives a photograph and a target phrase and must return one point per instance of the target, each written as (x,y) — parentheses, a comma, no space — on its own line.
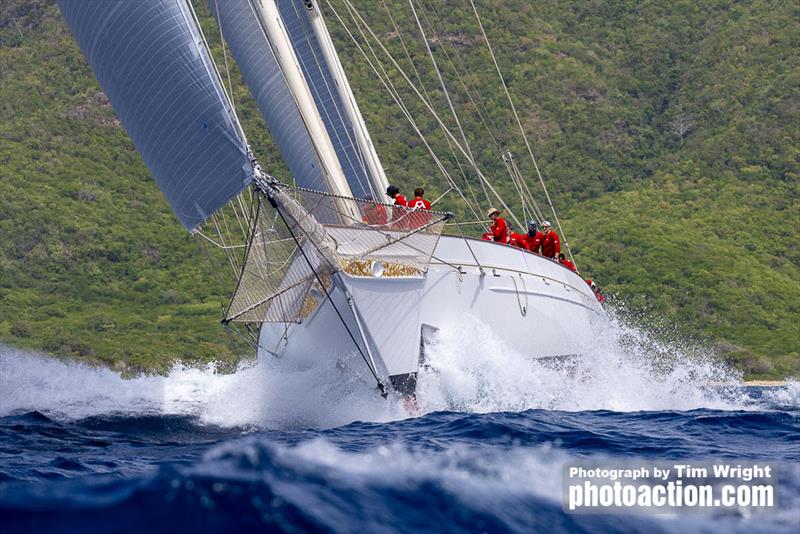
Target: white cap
(492,211)
(545,223)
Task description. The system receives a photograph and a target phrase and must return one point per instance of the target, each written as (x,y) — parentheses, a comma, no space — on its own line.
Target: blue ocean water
(270,448)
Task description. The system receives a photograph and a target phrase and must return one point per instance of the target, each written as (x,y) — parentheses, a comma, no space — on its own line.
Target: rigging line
(227,230)
(225,56)
(460,79)
(222,240)
(441,196)
(446,92)
(538,212)
(521,129)
(431,111)
(328,295)
(425,91)
(483,187)
(389,85)
(519,181)
(334,97)
(517,186)
(441,80)
(236,214)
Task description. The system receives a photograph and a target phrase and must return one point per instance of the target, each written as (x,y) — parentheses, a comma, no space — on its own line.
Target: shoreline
(766,383)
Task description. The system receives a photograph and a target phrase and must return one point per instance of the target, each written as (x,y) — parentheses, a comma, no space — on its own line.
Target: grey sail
(295,15)
(150,60)
(264,78)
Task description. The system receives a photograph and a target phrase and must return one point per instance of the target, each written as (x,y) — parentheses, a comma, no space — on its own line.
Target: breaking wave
(469,368)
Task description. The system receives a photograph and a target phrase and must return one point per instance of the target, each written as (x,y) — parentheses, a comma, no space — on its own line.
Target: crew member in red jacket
(518,240)
(551,245)
(596,290)
(498,232)
(398,215)
(374,214)
(534,237)
(566,263)
(397,198)
(420,205)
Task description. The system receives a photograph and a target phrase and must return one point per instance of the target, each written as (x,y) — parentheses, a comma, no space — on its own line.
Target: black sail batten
(151,62)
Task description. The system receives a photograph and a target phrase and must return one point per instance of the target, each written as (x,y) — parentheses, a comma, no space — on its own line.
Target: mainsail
(150,60)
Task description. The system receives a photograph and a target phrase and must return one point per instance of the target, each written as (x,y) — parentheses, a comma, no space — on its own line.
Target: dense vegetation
(667,133)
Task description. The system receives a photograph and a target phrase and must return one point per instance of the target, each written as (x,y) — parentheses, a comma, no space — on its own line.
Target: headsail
(262,73)
(150,60)
(328,144)
(296,18)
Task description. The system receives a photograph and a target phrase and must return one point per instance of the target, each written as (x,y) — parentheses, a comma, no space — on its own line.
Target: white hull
(539,307)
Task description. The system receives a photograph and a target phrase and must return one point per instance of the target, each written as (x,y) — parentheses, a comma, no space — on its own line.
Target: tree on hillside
(681,124)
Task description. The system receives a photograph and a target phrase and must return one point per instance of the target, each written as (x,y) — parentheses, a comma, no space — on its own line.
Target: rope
(441,80)
(328,296)
(521,129)
(429,108)
(389,85)
(225,57)
(449,145)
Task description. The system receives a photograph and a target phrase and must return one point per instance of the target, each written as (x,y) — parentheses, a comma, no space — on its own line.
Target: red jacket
(551,245)
(568,264)
(499,230)
(418,217)
(400,200)
(374,214)
(600,298)
(518,240)
(419,203)
(534,242)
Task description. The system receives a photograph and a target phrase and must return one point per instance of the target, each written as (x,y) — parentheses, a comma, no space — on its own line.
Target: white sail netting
(312,235)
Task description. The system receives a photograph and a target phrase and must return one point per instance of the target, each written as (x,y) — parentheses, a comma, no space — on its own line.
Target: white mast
(271,20)
(376,174)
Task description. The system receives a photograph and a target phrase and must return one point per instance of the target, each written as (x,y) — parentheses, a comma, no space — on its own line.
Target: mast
(267,11)
(377,176)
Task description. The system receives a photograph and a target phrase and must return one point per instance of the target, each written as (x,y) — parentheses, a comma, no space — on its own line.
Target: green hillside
(667,133)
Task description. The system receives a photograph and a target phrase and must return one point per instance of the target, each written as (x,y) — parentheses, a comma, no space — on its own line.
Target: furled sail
(150,60)
(296,18)
(262,74)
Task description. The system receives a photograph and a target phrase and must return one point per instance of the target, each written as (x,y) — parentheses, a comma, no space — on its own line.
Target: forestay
(284,264)
(150,60)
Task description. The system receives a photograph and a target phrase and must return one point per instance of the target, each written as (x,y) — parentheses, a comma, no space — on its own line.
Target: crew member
(596,290)
(498,232)
(551,245)
(518,240)
(397,198)
(534,237)
(398,213)
(566,263)
(420,204)
(374,214)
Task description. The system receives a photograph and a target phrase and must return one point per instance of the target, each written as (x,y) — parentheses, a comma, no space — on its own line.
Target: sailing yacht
(327,267)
